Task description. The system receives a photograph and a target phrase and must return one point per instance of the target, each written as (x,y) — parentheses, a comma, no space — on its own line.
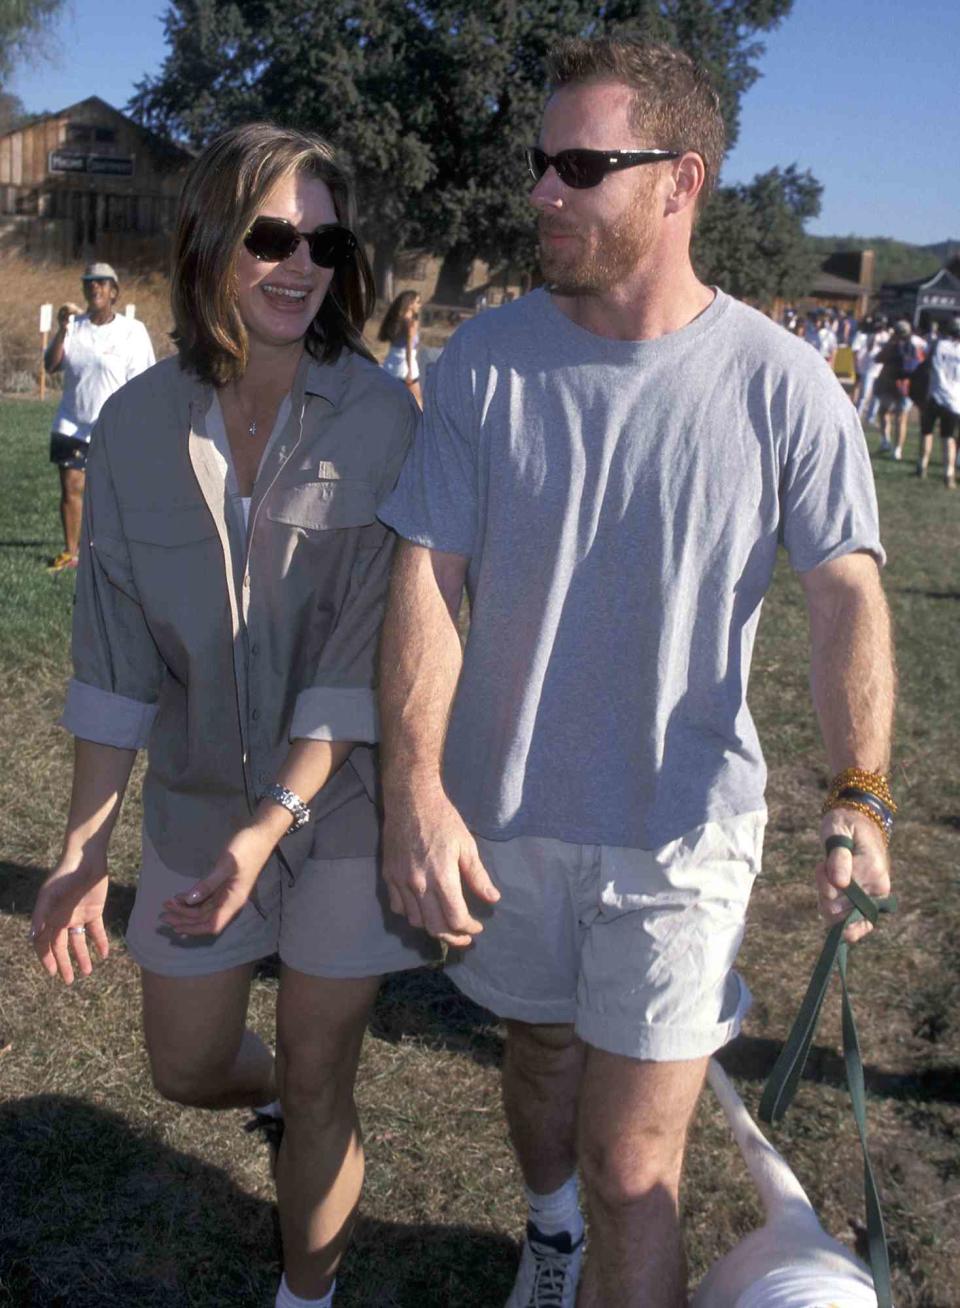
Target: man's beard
(612,255)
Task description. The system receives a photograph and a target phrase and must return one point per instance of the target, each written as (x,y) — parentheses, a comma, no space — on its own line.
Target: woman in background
(97,352)
(400,330)
(228,611)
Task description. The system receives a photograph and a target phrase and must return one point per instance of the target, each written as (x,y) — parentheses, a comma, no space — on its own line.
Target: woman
(399,329)
(229,602)
(98,351)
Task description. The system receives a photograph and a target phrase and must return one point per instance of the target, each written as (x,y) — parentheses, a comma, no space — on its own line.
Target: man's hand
(868,865)
(429,858)
(211,904)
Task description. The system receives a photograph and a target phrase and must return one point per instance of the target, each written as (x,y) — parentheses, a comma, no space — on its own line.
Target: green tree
(751,239)
(23,23)
(432,100)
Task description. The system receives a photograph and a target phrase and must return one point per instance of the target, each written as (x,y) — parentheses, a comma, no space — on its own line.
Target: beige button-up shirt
(214,646)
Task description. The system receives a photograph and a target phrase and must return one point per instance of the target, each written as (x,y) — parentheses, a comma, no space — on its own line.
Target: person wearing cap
(943,402)
(98,351)
(899,359)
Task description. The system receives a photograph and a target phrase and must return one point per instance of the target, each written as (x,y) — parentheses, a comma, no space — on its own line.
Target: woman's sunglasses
(274,239)
(583,168)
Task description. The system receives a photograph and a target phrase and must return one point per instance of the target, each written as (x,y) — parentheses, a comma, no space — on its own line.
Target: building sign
(114,165)
(61,161)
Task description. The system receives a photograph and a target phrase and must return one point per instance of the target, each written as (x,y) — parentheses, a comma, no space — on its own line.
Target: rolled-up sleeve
(341,704)
(112,697)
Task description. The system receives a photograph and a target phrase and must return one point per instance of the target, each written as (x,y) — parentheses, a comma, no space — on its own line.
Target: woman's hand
(66,312)
(211,904)
(68,914)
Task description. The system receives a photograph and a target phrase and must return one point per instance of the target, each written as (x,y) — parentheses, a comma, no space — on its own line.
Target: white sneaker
(898,455)
(549,1271)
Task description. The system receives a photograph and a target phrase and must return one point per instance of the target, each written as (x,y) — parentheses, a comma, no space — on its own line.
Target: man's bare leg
(541,1079)
(632,1129)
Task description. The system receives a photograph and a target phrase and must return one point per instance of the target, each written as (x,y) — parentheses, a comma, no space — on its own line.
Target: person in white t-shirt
(98,351)
(943,402)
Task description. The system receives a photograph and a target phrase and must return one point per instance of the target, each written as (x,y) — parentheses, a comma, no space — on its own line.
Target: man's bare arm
(853,681)
(429,855)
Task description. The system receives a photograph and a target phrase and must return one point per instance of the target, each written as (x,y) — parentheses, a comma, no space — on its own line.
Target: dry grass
(110,1195)
(56,284)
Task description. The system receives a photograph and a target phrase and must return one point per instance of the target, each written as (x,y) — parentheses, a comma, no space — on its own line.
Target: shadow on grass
(424,1005)
(19,883)
(97,1212)
(752,1058)
(927,594)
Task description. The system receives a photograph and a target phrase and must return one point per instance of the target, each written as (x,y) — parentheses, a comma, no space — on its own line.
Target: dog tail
(779,1188)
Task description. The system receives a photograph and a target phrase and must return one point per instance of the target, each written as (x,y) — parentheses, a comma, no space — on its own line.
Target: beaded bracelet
(864,792)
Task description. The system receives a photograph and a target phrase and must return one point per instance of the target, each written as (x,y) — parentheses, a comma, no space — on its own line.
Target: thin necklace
(252,425)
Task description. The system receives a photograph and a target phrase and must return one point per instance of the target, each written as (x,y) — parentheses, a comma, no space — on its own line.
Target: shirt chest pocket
(171,527)
(324,505)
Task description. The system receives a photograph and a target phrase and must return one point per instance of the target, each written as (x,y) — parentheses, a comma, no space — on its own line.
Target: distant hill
(897,261)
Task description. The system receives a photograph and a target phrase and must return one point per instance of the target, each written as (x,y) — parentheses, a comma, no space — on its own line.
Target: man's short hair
(675,105)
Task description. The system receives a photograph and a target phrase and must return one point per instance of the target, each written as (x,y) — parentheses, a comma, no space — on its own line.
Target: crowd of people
(897,372)
(276,545)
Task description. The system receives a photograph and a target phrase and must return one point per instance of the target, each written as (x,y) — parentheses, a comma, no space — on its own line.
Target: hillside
(897,261)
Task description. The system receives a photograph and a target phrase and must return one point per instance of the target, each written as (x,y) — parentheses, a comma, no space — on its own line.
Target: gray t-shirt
(620,503)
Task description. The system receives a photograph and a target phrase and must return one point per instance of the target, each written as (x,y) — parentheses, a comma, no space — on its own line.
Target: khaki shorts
(333,920)
(634,946)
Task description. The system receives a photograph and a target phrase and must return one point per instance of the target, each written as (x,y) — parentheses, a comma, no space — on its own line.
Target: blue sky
(863,93)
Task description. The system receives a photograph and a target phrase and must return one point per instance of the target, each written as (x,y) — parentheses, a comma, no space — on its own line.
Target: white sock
(273,1109)
(560,1211)
(287,1299)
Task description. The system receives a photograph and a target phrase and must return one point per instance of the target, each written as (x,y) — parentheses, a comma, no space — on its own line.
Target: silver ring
(76,931)
(31,934)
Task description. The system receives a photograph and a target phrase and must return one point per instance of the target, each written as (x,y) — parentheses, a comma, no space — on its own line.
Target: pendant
(252,429)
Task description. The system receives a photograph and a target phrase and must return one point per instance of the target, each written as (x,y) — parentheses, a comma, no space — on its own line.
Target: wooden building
(89,183)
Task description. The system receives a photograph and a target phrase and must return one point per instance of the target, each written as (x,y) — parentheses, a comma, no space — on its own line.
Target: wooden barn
(89,183)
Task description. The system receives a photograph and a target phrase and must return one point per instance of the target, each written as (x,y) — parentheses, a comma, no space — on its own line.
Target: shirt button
(255,715)
(246,582)
(254,648)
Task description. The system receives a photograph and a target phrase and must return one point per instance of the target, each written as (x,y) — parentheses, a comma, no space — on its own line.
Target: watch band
(291,802)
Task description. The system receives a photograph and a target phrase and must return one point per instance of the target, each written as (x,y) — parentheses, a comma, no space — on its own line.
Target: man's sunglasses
(583,168)
(274,239)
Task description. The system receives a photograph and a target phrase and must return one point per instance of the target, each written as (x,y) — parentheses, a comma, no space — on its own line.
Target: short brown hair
(223,190)
(675,104)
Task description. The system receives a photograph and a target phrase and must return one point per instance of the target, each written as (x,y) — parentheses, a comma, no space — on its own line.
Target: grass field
(110,1196)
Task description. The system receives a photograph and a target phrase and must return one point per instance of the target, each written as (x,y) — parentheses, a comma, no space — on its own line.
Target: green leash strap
(783,1080)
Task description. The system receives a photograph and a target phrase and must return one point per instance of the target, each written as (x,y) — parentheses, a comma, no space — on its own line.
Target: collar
(327,380)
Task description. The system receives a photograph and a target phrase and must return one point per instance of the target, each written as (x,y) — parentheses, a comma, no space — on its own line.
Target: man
(942,402)
(98,351)
(576,805)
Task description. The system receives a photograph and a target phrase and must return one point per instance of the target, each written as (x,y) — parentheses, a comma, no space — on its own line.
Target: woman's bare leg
(320,1028)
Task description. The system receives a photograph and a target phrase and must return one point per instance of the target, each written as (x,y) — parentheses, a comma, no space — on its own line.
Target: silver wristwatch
(291,802)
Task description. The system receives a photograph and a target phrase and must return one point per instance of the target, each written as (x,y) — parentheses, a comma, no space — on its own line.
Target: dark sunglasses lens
(271,240)
(537,162)
(332,246)
(580,168)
